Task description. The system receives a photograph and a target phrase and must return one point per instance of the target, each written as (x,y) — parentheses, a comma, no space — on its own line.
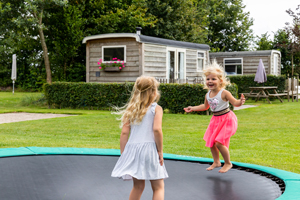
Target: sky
(269,15)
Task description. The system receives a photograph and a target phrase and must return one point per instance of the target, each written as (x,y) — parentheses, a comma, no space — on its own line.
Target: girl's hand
(242,99)
(161,158)
(188,109)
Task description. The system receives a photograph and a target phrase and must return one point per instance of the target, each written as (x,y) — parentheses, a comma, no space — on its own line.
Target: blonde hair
(218,70)
(144,93)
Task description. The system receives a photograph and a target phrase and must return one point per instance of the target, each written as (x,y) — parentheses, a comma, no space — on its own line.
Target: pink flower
(110,61)
(120,67)
(100,60)
(99,63)
(123,66)
(118,59)
(115,62)
(99,67)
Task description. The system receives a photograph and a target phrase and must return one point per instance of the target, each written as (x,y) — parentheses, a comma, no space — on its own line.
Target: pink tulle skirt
(220,129)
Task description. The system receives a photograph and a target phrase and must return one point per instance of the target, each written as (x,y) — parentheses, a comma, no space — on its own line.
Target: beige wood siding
(155,60)
(129,73)
(250,64)
(191,64)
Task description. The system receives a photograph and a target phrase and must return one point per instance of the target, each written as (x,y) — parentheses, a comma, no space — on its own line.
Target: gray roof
(156,40)
(149,39)
(243,53)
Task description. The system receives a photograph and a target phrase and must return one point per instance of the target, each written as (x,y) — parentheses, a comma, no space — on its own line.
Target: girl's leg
(226,156)
(158,187)
(137,190)
(215,153)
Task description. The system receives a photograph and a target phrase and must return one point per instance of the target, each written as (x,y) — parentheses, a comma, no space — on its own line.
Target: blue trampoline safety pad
(292,180)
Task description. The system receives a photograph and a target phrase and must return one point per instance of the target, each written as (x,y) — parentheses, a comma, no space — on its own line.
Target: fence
(198,80)
(292,88)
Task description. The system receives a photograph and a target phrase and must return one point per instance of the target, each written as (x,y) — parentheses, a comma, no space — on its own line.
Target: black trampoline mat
(81,177)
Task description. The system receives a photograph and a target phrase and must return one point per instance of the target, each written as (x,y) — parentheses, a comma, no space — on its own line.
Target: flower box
(115,65)
(112,69)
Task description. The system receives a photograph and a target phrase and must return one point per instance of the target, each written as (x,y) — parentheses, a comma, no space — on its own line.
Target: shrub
(174,97)
(246,81)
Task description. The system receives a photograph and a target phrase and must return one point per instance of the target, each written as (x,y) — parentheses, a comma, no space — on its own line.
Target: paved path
(243,107)
(17,117)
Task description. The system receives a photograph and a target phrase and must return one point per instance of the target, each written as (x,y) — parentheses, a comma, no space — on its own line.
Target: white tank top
(216,103)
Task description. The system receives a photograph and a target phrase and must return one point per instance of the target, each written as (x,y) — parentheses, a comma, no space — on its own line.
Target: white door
(176,63)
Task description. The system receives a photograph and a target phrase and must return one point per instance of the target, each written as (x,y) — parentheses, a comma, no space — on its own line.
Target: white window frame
(200,58)
(116,46)
(242,72)
(176,50)
(275,64)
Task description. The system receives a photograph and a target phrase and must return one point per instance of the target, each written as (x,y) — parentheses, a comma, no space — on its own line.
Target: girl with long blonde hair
(141,140)
(223,123)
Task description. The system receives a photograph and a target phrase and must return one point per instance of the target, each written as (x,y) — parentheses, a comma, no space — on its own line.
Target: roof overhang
(149,40)
(111,35)
(244,53)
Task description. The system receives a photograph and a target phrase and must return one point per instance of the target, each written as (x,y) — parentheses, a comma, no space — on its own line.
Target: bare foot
(214,165)
(225,168)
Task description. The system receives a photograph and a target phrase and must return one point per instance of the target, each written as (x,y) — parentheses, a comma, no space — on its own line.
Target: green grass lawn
(267,135)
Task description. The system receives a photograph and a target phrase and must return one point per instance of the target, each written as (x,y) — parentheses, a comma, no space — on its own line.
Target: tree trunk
(45,50)
(292,80)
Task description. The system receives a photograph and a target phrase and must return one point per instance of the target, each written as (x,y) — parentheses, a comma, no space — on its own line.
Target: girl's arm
(124,136)
(228,97)
(201,107)
(158,134)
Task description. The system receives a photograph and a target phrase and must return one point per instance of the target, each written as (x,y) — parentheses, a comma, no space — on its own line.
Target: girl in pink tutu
(223,123)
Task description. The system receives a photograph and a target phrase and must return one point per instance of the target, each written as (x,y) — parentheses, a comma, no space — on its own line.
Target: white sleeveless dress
(140,158)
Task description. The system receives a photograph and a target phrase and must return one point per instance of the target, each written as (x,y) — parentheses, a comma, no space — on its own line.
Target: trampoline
(37,173)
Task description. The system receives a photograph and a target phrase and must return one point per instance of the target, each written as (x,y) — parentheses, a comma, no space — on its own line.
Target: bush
(5,78)
(246,81)
(103,96)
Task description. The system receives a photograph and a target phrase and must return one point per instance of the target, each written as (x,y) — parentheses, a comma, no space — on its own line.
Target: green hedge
(174,97)
(246,81)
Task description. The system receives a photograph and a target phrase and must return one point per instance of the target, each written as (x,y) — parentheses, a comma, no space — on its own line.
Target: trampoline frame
(291,180)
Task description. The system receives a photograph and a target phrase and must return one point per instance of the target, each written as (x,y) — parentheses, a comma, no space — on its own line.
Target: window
(171,64)
(180,65)
(110,52)
(200,61)
(233,66)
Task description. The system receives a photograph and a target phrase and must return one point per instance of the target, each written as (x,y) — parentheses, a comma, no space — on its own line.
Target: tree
(183,20)
(65,39)
(229,26)
(291,42)
(293,33)
(263,42)
(27,17)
